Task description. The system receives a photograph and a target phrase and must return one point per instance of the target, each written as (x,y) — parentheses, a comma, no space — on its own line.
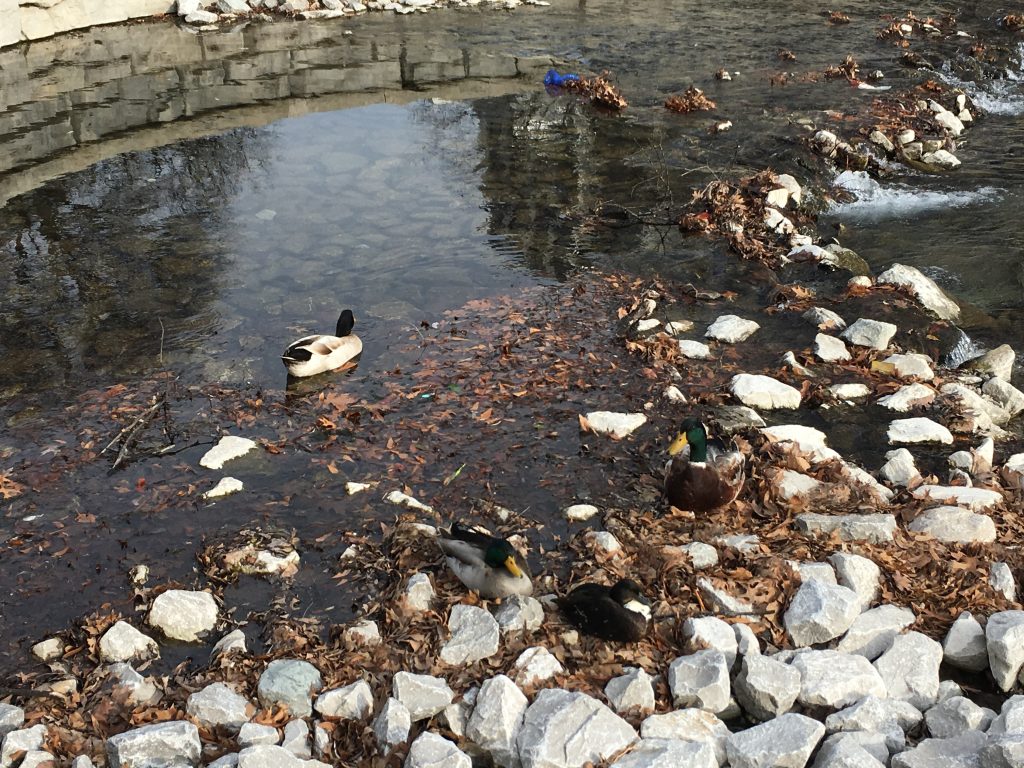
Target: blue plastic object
(553,78)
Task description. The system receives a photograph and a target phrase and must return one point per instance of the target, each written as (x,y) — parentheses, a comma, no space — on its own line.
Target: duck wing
(465,544)
(302,349)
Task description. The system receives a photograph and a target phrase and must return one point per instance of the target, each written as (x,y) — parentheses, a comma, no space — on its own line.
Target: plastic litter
(553,78)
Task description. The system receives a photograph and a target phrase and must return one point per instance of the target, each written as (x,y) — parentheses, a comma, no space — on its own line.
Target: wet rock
(955,524)
(252,561)
(701,555)
(829,349)
(974,499)
(941,158)
(809,440)
(700,680)
(785,742)
(615,425)
(168,745)
(996,362)
(474,635)
(849,391)
(870,333)
(964,646)
(872,633)
(232,642)
(391,726)
(218,705)
(227,448)
(632,692)
(694,350)
(907,398)
(580,512)
(405,500)
(731,329)
(677,327)
(430,750)
(497,719)
(667,753)
(766,688)
(1000,578)
(254,734)
(643,326)
(123,642)
(910,669)
(876,528)
(1006,396)
(519,613)
(363,632)
(689,725)
(959,752)
(710,633)
(722,601)
(733,418)
(912,365)
(820,612)
(289,683)
(419,592)
(183,615)
(569,728)
(352,488)
(789,485)
(924,288)
(918,430)
(1004,638)
(899,468)
(824,319)
(759,391)
(226,485)
(955,715)
(296,739)
(350,702)
(11,719)
(536,664)
(833,679)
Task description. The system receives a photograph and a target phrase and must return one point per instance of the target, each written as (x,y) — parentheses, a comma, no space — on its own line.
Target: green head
(694,434)
(500,554)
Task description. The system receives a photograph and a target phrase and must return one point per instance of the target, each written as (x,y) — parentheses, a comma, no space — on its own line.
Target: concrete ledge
(23,20)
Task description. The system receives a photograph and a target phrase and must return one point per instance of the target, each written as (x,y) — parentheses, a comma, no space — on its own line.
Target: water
(191,204)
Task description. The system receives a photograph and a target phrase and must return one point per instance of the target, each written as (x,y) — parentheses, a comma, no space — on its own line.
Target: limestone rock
(710,633)
(228,447)
(172,744)
(183,615)
(1000,578)
(721,600)
(692,725)
(603,542)
(872,633)
(694,350)
(400,499)
(996,362)
(701,555)
(766,688)
(289,683)
(870,333)
(809,440)
(429,750)
(974,499)
(296,739)
(423,695)
(519,613)
(392,724)
(941,158)
(232,642)
(456,716)
(1006,751)
(876,528)
(677,327)
(497,719)
(570,728)
(1004,638)
(829,349)
(700,680)
(11,719)
(363,632)
(419,592)
(615,425)
(254,734)
(959,752)
(924,288)
(1010,718)
(49,649)
(474,635)
(913,365)
(824,319)
(1004,395)
(632,692)
(859,574)
(746,641)
(964,646)
(731,329)
(272,756)
(785,742)
(875,714)
(849,391)
(860,749)
(820,612)
(918,430)
(955,524)
(580,512)
(350,702)
(907,398)
(536,664)
(899,468)
(789,484)
(955,715)
(22,740)
(668,753)
(218,705)
(833,679)
(226,485)
(764,392)
(123,642)
(910,669)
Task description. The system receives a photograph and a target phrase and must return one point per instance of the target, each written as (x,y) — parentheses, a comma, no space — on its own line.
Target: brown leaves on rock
(1013,21)
(600,90)
(837,17)
(693,100)
(847,69)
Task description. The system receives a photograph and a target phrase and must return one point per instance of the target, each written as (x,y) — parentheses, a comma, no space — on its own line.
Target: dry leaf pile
(600,90)
(693,100)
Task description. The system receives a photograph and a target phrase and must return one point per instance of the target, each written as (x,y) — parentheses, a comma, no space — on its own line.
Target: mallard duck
(311,355)
(485,563)
(703,476)
(619,612)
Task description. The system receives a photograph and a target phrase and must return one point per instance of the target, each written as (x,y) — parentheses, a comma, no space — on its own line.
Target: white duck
(311,355)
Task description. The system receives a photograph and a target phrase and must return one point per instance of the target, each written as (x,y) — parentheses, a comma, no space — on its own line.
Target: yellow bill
(513,568)
(678,444)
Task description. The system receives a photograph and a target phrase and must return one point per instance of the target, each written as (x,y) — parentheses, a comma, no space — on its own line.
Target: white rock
(350,702)
(649,324)
(535,665)
(185,7)
(615,425)
(948,690)
(959,752)
(296,739)
(980,414)
(430,750)
(352,488)
(1005,395)
(456,716)
(218,705)
(405,500)
(254,734)
(964,646)
(667,753)
(519,613)
(183,615)
(766,688)
(899,468)
(423,695)
(688,725)
(745,543)
(497,719)
(942,158)
(21,740)
(776,222)
(603,541)
(912,365)
(955,525)
(833,679)
(419,592)
(1006,751)
(789,485)
(632,692)
(924,288)
(11,719)
(570,729)
(791,185)
(679,326)
(873,714)
(918,430)
(820,612)
(859,574)
(392,724)
(141,690)
(777,198)
(974,499)
(37,758)
(731,329)
(1000,578)
(1004,638)
(825,319)
(226,486)
(694,350)
(250,560)
(172,744)
(908,397)
(363,632)
(123,642)
(289,683)
(580,512)
(845,750)
(785,742)
(910,669)
(721,600)
(872,633)
(876,528)
(997,362)
(829,349)
(955,715)
(950,122)
(229,447)
(746,641)
(700,680)
(870,333)
(233,641)
(710,633)
(49,649)
(764,392)
(673,394)
(1010,719)
(849,391)
(859,281)
(273,756)
(809,440)
(474,635)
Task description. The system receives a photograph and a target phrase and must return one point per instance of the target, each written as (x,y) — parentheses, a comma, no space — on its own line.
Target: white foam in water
(997,97)
(875,201)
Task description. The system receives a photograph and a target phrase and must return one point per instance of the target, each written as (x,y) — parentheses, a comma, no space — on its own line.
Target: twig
(129,435)
(160,320)
(29,693)
(148,414)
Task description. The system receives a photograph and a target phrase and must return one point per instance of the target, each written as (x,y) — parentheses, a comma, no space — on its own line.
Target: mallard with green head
(619,612)
(485,563)
(701,475)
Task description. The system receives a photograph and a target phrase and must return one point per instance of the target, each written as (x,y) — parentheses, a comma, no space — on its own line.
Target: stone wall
(22,20)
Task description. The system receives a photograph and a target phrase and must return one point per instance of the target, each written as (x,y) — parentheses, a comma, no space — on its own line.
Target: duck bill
(677,445)
(512,567)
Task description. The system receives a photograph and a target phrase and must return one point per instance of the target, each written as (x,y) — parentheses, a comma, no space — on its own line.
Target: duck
(486,564)
(619,612)
(311,355)
(701,476)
